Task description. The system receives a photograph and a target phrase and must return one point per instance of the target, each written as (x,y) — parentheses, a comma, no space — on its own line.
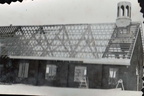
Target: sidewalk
(55,91)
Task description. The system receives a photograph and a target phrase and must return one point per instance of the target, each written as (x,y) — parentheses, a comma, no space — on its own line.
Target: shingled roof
(77,42)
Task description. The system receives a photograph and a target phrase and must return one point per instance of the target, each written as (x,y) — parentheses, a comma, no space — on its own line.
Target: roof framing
(71,41)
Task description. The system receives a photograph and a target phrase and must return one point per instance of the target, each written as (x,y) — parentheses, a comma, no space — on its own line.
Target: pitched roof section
(83,41)
(7,31)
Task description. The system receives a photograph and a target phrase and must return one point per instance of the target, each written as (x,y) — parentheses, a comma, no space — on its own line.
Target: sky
(45,12)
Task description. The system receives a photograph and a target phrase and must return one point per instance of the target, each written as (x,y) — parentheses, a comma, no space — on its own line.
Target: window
(122,7)
(127,10)
(23,69)
(118,12)
(50,72)
(113,75)
(80,73)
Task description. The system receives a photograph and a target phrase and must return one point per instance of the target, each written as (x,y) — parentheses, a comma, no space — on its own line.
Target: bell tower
(121,42)
(123,14)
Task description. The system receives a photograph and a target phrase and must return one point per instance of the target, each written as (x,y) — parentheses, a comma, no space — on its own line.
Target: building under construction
(101,56)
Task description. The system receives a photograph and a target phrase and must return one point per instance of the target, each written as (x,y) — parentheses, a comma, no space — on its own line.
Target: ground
(55,91)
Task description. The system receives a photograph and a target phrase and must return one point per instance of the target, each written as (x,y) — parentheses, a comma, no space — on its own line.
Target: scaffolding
(90,41)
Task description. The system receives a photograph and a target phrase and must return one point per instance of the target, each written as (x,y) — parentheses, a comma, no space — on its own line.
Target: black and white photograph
(71,47)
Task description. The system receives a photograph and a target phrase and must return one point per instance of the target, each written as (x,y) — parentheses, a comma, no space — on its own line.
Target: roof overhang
(105,61)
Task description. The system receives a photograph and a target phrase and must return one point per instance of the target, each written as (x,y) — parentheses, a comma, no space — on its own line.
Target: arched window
(118,12)
(127,10)
(122,10)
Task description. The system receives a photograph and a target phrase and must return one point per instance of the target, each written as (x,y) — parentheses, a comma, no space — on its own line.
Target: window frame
(80,73)
(113,76)
(23,71)
(50,73)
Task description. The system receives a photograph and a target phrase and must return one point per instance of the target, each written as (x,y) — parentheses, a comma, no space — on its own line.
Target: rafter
(91,41)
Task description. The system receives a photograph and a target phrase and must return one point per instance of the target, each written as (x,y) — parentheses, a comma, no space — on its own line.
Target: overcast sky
(39,12)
